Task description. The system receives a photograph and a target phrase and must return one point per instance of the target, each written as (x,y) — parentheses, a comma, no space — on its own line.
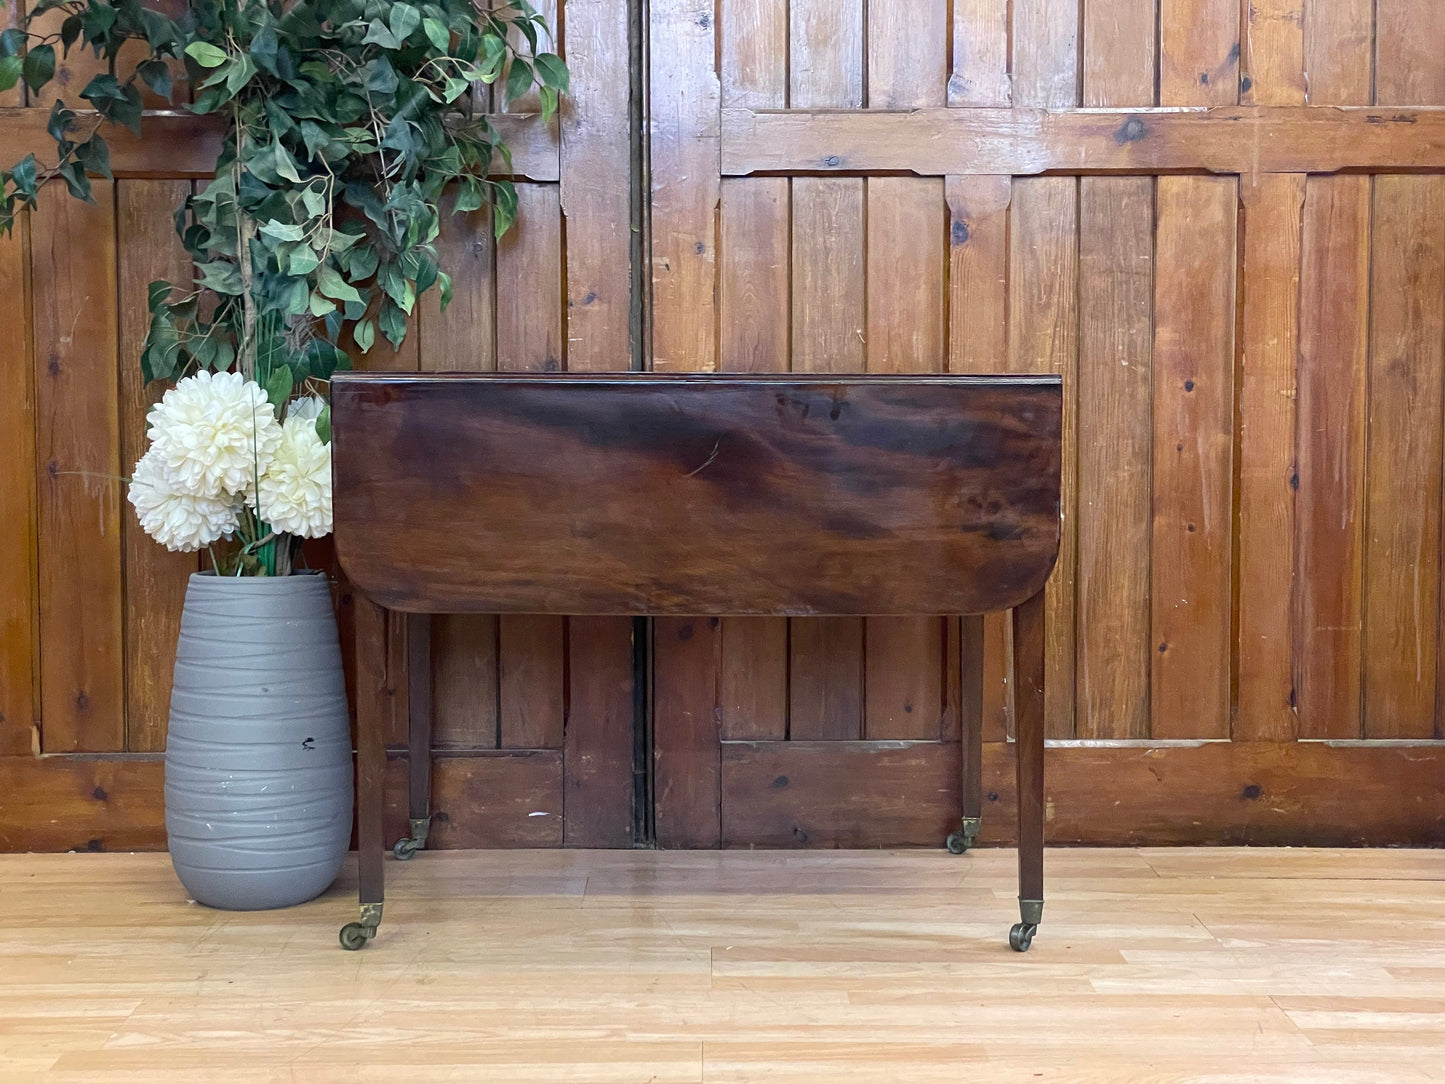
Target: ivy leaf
(285,164)
(157,76)
(455,87)
(378,33)
(78,184)
(61,121)
(504,209)
(549,102)
(302,261)
(519,79)
(330,283)
(12,40)
(70,32)
(279,385)
(156,294)
(298,297)
(94,156)
(404,19)
(282,231)
(393,324)
(222,276)
(364,335)
(469,195)
(553,72)
(10,68)
(23,176)
(206,55)
(323,424)
(437,33)
(39,67)
(320,306)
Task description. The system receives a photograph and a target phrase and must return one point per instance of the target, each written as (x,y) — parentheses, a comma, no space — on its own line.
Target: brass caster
(405,847)
(957,842)
(1022,936)
(355,935)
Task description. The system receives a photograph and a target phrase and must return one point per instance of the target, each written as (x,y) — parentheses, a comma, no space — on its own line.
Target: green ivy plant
(345,122)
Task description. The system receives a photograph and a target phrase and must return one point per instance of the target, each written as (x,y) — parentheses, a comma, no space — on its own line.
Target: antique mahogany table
(715,494)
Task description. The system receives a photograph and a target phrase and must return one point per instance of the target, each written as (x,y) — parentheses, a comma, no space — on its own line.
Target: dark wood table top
(696,494)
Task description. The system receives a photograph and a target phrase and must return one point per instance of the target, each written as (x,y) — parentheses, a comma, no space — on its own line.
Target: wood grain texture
(1043,338)
(178,144)
(1045,55)
(907,53)
(1193,457)
(1272,62)
(77,440)
(684,144)
(1268,359)
(828,278)
(155,579)
(978,343)
(825,679)
(863,794)
(1116,390)
(980,54)
(753,678)
(1339,43)
(598,743)
(753,275)
(1198,52)
(530,332)
(825,54)
(531,653)
(1330,503)
(687,495)
(686,730)
(753,42)
(1029,141)
(19,649)
(596,187)
(1120,53)
(1403,458)
(1409,38)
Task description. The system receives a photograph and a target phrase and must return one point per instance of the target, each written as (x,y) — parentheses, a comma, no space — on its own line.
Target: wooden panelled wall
(1244,291)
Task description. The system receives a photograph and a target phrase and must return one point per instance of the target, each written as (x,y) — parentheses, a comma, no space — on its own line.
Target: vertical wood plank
(78,459)
(826,70)
(597,803)
(1272,67)
(463,338)
(978,343)
(907,53)
(825,689)
(1403,458)
(688,763)
(980,54)
(155,579)
(685,99)
(1043,338)
(19,658)
(1409,43)
(1329,505)
(529,337)
(753,678)
(754,298)
(1193,456)
(596,187)
(1338,41)
(1046,53)
(825,44)
(753,43)
(1116,262)
(1199,52)
(1267,389)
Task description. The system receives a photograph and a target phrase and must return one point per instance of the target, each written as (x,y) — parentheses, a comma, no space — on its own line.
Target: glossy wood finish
(1242,966)
(707,495)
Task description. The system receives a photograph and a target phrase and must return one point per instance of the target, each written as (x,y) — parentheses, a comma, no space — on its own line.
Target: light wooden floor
(1239,965)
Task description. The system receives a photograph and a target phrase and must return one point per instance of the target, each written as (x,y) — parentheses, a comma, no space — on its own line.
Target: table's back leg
(419,712)
(971,712)
(373,708)
(1028,679)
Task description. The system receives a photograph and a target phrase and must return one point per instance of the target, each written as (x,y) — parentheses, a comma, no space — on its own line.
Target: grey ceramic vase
(258,759)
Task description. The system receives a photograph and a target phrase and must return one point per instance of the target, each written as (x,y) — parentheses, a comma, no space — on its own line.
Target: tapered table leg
(373,708)
(1028,676)
(971,646)
(418,711)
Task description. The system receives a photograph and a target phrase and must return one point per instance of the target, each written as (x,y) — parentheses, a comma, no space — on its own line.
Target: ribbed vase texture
(258,760)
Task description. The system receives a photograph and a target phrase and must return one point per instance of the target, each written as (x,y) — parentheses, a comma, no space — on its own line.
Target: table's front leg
(1028,678)
(971,712)
(373,709)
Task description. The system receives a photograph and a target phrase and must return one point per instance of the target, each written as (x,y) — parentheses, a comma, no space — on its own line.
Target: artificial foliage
(345,121)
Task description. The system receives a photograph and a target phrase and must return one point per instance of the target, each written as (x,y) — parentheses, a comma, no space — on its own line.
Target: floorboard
(1180,964)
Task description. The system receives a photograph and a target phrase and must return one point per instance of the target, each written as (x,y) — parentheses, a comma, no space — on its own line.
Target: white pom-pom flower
(294,495)
(213,434)
(182,522)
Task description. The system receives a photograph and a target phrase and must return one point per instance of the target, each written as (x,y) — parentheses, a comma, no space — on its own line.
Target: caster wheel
(957,842)
(354,936)
(1021,936)
(404,849)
